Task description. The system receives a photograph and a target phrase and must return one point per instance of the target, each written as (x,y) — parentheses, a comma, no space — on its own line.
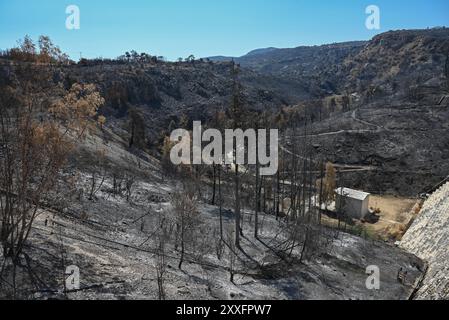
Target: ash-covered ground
(114,243)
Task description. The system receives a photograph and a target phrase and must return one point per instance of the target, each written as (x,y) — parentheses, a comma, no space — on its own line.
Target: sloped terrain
(399,59)
(394,121)
(113,240)
(382,103)
(166,91)
(395,58)
(428,238)
(162,91)
(400,149)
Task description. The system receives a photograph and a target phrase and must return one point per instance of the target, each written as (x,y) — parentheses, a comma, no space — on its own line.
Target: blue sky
(178,28)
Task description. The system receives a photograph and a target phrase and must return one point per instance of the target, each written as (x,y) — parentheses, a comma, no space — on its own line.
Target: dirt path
(342,167)
(355,118)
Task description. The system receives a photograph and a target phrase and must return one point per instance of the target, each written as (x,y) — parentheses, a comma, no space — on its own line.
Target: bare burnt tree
(186,213)
(232,253)
(303,221)
(161,264)
(98,173)
(236,115)
(218,122)
(34,149)
(129,181)
(257,188)
(117,180)
(36,138)
(219,244)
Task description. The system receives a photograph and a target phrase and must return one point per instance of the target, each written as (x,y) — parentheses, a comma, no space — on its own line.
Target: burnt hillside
(380,103)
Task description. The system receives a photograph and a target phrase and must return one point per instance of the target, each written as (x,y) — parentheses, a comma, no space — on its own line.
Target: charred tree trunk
(278,190)
(215,183)
(220,199)
(181,259)
(321,192)
(257,204)
(237,207)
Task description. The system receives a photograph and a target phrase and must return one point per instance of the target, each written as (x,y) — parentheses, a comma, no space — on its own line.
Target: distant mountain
(281,61)
(251,53)
(303,64)
(220,58)
(402,56)
(261,51)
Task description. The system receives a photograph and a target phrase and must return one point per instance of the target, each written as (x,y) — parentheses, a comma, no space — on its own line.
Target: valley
(87,179)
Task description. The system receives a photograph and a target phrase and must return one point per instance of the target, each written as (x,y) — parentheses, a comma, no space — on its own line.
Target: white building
(353,203)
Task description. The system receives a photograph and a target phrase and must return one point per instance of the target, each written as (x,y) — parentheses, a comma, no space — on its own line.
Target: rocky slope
(389,59)
(428,238)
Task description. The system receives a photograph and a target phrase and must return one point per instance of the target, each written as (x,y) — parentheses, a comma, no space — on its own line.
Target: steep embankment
(428,238)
